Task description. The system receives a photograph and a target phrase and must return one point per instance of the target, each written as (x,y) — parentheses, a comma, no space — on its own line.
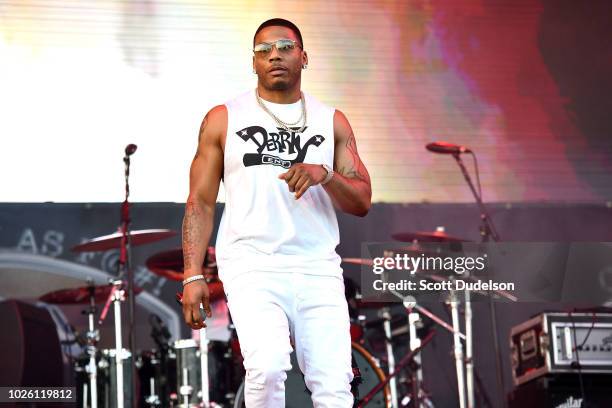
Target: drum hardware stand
(416,344)
(152,399)
(457,348)
(117,296)
(386,316)
(160,336)
(185,390)
(487,231)
(469,361)
(92,336)
(406,360)
(85,395)
(410,305)
(204,365)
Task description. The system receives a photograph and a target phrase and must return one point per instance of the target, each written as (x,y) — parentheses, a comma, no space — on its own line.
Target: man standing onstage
(275,147)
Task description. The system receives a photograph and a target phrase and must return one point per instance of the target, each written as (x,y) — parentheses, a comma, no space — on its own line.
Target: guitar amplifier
(554,343)
(563,391)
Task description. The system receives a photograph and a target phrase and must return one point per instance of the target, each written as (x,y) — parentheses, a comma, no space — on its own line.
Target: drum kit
(196,372)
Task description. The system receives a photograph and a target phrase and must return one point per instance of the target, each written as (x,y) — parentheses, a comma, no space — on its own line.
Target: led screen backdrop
(524,83)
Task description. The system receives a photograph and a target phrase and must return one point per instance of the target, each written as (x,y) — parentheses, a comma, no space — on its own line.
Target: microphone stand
(126,267)
(93,337)
(487,231)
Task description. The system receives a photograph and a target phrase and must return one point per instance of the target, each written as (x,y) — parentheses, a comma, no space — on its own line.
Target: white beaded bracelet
(328,176)
(192,279)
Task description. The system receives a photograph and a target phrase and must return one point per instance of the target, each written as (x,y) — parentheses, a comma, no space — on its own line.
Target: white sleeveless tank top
(263,227)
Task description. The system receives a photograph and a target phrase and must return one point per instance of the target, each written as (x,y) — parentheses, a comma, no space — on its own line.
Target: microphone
(130,149)
(446,148)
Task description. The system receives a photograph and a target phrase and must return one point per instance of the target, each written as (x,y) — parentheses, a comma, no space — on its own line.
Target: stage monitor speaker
(30,353)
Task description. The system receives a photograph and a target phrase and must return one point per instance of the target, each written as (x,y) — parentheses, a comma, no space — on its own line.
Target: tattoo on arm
(355,169)
(192,233)
(201,133)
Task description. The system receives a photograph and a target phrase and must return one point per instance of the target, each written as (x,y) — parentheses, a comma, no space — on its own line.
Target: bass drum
(297,395)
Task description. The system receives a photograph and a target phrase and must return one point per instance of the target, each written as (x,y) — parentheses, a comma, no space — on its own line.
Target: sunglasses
(284,45)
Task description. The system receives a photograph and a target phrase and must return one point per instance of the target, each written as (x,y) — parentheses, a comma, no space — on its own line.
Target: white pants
(269,307)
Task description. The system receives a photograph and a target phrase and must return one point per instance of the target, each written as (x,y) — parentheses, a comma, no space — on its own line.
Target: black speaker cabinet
(30,353)
(563,391)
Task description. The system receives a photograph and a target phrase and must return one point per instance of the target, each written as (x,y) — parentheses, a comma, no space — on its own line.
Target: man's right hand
(195,293)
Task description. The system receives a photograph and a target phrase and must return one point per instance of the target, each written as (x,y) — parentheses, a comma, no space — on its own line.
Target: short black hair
(283,23)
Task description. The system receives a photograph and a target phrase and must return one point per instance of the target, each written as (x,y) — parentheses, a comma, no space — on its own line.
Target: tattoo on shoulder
(356,169)
(203,127)
(201,133)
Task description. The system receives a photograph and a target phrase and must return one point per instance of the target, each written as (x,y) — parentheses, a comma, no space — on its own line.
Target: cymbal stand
(457,348)
(469,361)
(435,318)
(204,366)
(415,343)
(117,296)
(93,336)
(406,360)
(386,316)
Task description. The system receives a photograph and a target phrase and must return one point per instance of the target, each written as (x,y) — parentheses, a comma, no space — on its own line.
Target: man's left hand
(301,176)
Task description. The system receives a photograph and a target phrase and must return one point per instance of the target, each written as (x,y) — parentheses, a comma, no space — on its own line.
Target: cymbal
(79,296)
(426,236)
(358,261)
(113,241)
(413,248)
(169,264)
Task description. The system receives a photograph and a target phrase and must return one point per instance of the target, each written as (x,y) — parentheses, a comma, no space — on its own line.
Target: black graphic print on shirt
(271,145)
